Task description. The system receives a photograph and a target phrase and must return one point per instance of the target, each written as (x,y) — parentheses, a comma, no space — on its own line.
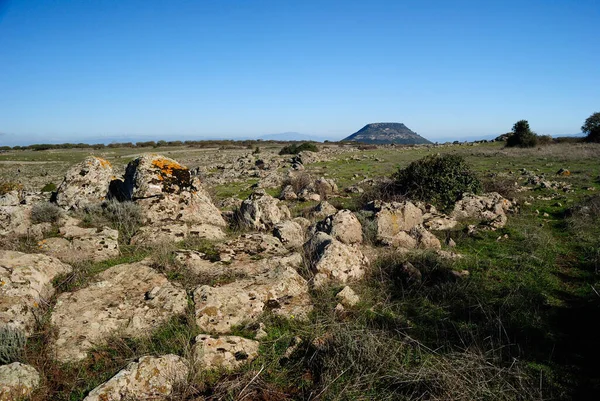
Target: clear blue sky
(81,70)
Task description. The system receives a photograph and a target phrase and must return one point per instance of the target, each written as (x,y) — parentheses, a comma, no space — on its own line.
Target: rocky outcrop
(343,226)
(290,233)
(25,286)
(395,217)
(80,243)
(490,209)
(151,378)
(15,221)
(224,352)
(17,381)
(281,290)
(333,261)
(85,183)
(130,299)
(167,192)
(261,211)
(175,232)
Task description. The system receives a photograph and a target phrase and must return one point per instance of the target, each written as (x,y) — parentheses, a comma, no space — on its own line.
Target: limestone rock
(261,211)
(326,186)
(489,208)
(130,299)
(306,195)
(335,261)
(15,221)
(281,290)
(224,352)
(425,239)
(343,226)
(287,193)
(151,378)
(290,233)
(25,284)
(17,381)
(347,297)
(166,191)
(85,183)
(250,246)
(11,198)
(322,210)
(86,244)
(394,217)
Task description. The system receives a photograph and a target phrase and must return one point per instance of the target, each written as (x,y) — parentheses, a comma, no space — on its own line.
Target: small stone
(17,381)
(347,297)
(451,243)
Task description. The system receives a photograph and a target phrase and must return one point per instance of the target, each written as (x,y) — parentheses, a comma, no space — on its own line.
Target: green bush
(50,187)
(522,136)
(591,127)
(45,213)
(294,149)
(440,180)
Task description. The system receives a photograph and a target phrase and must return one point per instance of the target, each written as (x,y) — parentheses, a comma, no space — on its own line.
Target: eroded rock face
(280,289)
(290,233)
(490,208)
(395,217)
(15,221)
(343,226)
(17,381)
(131,299)
(335,261)
(85,183)
(85,244)
(151,378)
(25,285)
(224,352)
(167,192)
(261,211)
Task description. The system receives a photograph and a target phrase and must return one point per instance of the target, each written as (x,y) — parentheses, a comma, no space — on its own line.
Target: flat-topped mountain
(384,133)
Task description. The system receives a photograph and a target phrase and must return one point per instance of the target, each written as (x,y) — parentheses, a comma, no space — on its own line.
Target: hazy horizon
(76,71)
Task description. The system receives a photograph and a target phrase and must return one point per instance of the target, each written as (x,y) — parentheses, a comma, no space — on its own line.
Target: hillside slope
(385,133)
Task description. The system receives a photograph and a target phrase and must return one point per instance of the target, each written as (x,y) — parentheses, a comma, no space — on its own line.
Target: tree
(591,127)
(522,136)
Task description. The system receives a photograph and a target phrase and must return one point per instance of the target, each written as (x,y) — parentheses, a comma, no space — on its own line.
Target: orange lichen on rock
(167,167)
(103,162)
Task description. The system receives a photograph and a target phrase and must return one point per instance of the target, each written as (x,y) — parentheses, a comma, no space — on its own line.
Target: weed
(45,213)
(12,344)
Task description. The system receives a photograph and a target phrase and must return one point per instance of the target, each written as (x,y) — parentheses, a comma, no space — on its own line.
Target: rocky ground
(204,274)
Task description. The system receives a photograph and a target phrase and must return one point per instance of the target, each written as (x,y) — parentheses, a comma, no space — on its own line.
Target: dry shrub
(45,213)
(126,217)
(299,181)
(505,186)
(8,186)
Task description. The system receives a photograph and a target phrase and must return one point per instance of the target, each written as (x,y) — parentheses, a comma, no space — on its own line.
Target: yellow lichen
(166,167)
(103,162)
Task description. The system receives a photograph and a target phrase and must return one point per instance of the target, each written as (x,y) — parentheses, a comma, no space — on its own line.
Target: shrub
(437,179)
(294,149)
(45,213)
(299,181)
(126,217)
(50,187)
(12,343)
(522,136)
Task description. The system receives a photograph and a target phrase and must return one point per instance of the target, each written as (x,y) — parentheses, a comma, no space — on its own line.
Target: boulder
(261,211)
(129,299)
(288,193)
(167,192)
(224,352)
(250,246)
(15,221)
(151,378)
(322,210)
(343,226)
(290,233)
(11,198)
(17,381)
(281,290)
(86,244)
(391,218)
(488,208)
(307,195)
(25,285)
(424,238)
(85,184)
(347,297)
(334,261)
(326,186)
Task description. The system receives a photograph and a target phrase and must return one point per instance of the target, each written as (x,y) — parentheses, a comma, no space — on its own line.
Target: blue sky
(87,70)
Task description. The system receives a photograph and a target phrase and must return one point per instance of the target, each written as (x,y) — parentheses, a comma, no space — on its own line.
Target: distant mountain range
(386,133)
(290,136)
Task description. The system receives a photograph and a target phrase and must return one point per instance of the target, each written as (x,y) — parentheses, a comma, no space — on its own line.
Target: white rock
(290,233)
(224,352)
(347,297)
(26,284)
(152,378)
(117,302)
(17,381)
(85,183)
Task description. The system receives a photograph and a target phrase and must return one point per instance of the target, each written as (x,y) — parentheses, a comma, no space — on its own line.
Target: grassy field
(520,326)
